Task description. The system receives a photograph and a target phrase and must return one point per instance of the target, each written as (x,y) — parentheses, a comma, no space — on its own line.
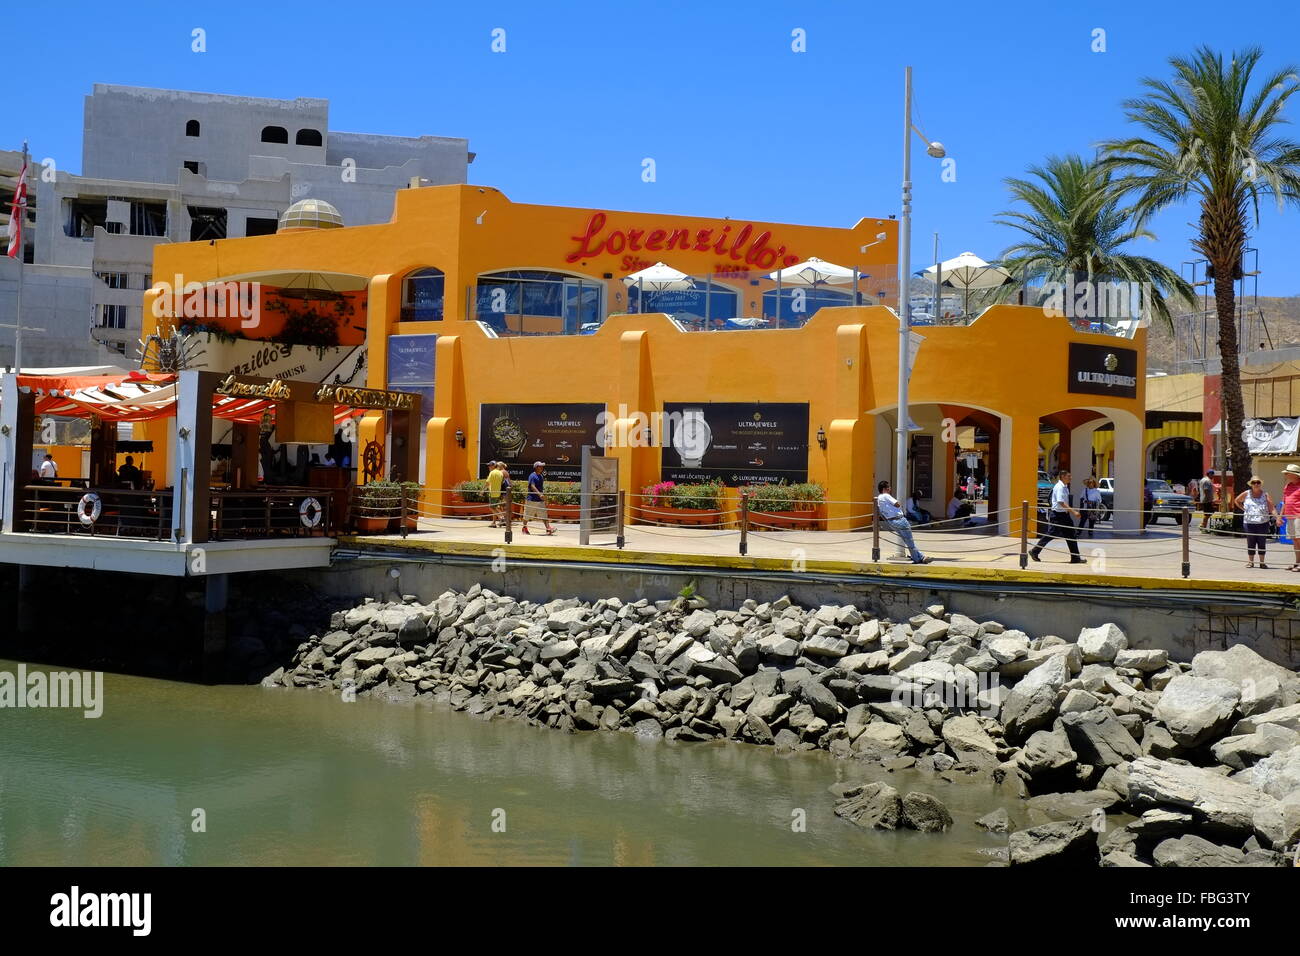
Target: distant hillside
(1281,317)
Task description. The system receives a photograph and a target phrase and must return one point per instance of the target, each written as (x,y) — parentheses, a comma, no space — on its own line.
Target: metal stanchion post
(1187,542)
(403,512)
(1024,535)
(509,514)
(744,522)
(618,518)
(875,535)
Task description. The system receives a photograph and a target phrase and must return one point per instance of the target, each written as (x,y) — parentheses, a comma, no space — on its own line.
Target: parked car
(1159,500)
(1044,489)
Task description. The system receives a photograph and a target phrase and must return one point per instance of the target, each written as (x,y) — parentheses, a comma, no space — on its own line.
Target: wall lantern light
(821,437)
(184,432)
(4,429)
(460,438)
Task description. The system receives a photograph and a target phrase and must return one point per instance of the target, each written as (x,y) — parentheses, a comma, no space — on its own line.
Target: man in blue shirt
(1059,523)
(891,512)
(535,502)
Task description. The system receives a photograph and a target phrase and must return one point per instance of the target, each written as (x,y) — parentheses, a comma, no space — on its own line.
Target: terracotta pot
(810,519)
(460,508)
(371,525)
(564,512)
(679,516)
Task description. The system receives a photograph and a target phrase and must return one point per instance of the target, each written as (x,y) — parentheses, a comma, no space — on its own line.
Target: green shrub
(474,491)
(782,497)
(705,497)
(379,499)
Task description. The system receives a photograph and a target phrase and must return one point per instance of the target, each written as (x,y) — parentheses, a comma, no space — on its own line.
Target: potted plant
(780,505)
(469,499)
(564,500)
(377,505)
(670,503)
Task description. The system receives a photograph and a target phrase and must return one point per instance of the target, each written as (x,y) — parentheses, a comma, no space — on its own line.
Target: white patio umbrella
(658,278)
(966,272)
(812,272)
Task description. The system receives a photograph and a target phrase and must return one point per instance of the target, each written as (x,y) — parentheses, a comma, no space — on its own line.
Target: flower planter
(566,513)
(372,525)
(811,519)
(460,508)
(680,516)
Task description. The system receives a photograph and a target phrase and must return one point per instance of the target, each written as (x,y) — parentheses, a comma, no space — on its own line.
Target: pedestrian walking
(535,502)
(891,512)
(1256,515)
(1060,524)
(494,480)
(1090,506)
(1291,509)
(1205,489)
(49,470)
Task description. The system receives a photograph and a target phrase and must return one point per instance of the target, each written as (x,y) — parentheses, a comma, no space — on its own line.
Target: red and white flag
(17,215)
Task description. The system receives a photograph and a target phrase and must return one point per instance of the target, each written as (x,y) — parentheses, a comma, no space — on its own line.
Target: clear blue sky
(737,123)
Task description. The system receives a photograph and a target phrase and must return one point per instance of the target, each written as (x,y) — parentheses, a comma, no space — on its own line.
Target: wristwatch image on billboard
(508,435)
(692,437)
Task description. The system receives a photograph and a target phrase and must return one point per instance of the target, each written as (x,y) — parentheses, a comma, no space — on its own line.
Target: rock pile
(1206,754)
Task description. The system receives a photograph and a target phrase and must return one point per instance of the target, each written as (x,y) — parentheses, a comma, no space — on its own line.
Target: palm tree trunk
(1234,408)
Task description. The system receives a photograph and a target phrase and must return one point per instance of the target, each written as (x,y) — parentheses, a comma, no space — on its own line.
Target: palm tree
(1075,230)
(1215,137)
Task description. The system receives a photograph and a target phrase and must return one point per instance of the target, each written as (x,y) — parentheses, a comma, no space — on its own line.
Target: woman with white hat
(1291,509)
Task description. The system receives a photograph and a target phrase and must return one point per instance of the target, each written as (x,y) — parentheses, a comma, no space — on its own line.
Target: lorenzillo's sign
(366,397)
(232,386)
(741,246)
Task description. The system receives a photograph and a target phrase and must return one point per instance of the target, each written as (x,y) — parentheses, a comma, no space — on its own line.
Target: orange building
(517,320)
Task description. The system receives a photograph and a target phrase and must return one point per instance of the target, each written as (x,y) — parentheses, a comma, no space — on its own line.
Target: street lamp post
(904,270)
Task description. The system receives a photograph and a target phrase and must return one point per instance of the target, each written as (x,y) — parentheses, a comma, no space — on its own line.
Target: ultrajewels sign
(1102,370)
(520,434)
(739,443)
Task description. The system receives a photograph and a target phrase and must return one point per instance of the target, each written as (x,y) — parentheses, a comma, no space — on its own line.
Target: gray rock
(829,647)
(1277,775)
(823,702)
(1240,664)
(373,655)
(1197,709)
(719,670)
(1278,825)
(1242,751)
(1045,752)
(1099,738)
(1146,661)
(1026,711)
(924,813)
(768,709)
(965,735)
(1067,843)
(775,646)
(1078,701)
(1007,648)
(1288,717)
(648,729)
(999,821)
(862,663)
(558,651)
(873,806)
(1192,850)
(1223,803)
(1101,644)
(1071,806)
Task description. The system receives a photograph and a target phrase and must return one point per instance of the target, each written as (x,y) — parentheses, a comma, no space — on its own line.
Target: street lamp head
(936,150)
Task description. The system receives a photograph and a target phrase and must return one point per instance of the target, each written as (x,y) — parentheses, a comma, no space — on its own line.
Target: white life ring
(310,512)
(90,501)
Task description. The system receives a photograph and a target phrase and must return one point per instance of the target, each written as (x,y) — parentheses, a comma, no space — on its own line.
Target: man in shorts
(1207,497)
(495,479)
(535,502)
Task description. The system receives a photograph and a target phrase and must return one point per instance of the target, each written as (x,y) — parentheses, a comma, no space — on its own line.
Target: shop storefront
(517,325)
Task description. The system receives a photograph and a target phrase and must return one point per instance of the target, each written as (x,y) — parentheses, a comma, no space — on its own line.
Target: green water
(301,777)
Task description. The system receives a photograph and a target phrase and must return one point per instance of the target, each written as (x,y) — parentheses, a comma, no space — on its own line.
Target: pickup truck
(1159,500)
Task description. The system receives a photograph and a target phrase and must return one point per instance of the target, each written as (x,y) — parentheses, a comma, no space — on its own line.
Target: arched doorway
(1177,459)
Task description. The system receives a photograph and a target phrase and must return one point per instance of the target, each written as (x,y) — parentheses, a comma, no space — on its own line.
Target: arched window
(422,296)
(539,302)
(192,128)
(308,137)
(275,134)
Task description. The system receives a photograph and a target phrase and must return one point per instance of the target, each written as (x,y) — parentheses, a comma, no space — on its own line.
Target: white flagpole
(18,299)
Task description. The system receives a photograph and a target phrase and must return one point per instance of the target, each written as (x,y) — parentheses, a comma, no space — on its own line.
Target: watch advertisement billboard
(520,434)
(737,443)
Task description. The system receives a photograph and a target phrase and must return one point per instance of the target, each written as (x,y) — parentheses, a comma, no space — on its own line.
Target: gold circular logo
(758,417)
(1112,362)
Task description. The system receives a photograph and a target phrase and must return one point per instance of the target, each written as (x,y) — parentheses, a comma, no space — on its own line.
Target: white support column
(183,461)
(1080,445)
(1129,471)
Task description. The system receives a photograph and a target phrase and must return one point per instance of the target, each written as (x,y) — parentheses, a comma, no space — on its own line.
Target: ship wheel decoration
(372,460)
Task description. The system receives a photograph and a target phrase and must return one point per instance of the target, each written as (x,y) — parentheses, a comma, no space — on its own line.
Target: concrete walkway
(1112,559)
